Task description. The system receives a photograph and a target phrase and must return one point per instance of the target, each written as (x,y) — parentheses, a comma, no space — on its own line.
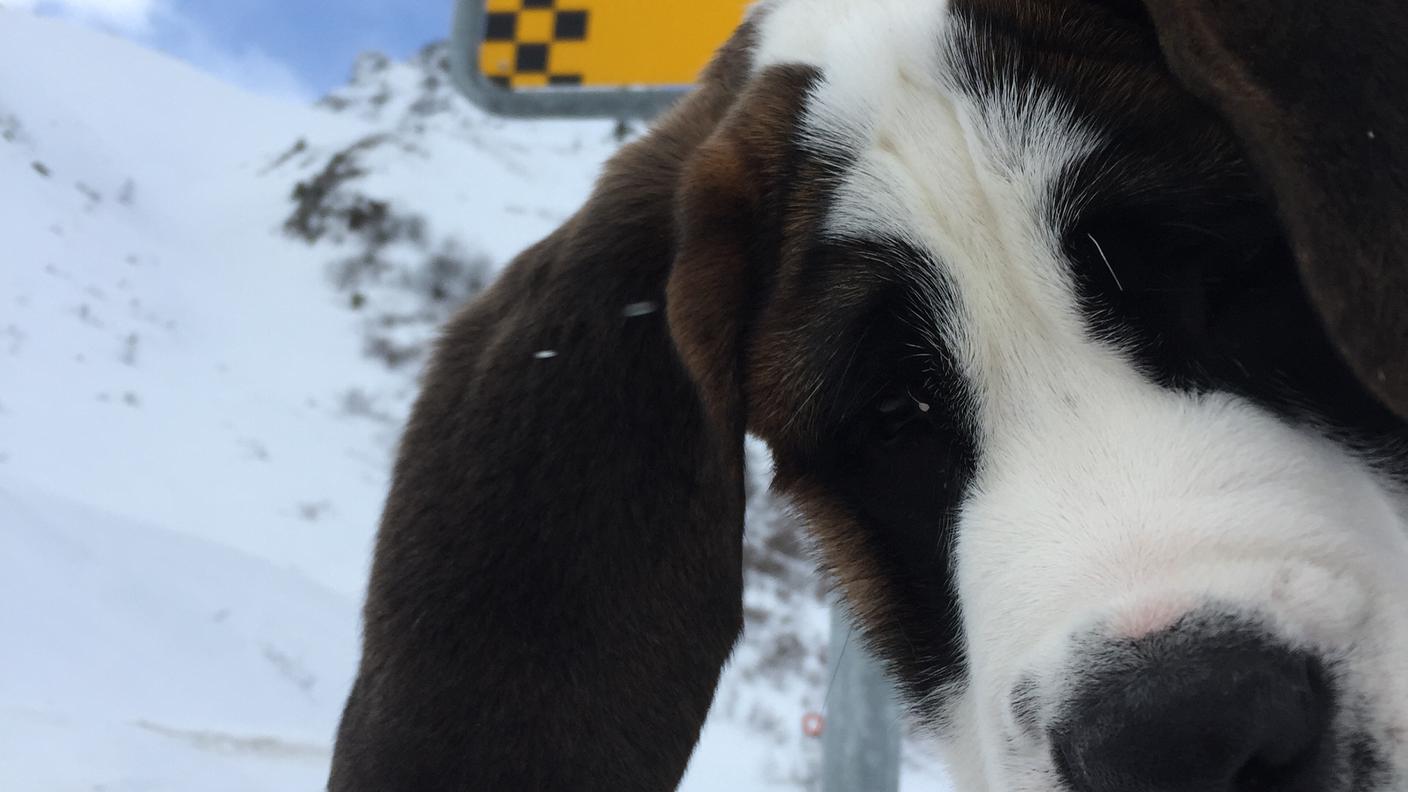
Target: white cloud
(245,65)
(126,16)
(250,68)
(158,24)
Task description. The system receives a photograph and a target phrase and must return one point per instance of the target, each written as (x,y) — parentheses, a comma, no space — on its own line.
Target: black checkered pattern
(532,57)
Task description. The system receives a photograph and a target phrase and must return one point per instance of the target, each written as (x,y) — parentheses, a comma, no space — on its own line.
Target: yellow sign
(603,43)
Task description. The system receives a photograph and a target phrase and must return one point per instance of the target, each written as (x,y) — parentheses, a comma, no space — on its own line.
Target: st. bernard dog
(1078,330)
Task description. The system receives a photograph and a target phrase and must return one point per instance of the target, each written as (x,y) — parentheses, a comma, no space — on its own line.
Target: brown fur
(557,578)
(1316,92)
(847,558)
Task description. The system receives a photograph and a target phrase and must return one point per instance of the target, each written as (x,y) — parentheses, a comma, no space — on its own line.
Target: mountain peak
(383,89)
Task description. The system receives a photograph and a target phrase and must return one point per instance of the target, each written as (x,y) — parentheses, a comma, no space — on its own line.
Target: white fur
(1100,499)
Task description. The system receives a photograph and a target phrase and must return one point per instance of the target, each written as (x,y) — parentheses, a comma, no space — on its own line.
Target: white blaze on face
(1101,501)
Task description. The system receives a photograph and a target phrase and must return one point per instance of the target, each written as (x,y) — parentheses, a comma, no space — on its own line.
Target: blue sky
(291,48)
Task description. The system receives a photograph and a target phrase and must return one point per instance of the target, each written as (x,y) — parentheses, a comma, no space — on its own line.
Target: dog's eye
(898,415)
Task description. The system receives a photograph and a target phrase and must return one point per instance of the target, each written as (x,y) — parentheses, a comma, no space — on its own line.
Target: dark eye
(899,415)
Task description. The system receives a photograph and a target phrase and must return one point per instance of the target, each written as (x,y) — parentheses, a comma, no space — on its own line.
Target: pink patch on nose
(1147,618)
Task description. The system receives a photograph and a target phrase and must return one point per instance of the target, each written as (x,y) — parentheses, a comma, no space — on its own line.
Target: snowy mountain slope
(156,662)
(212,310)
(147,204)
(164,342)
(413,217)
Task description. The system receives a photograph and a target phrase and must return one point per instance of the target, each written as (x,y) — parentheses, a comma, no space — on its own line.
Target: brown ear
(732,226)
(557,579)
(1315,90)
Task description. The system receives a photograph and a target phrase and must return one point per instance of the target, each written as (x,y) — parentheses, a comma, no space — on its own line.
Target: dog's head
(1022,320)
(1028,341)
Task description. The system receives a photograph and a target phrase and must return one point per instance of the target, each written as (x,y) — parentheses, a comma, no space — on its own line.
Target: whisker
(1106,259)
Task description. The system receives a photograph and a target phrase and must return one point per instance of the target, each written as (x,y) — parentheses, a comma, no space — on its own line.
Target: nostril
(1260,773)
(1228,713)
(1294,717)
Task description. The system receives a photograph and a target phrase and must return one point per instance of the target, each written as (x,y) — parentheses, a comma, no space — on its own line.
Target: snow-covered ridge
(213,307)
(418,213)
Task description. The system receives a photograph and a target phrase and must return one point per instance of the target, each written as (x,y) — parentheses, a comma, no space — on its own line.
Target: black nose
(1176,712)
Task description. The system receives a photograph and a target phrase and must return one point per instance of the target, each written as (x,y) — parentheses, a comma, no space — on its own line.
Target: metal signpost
(861,745)
(626,59)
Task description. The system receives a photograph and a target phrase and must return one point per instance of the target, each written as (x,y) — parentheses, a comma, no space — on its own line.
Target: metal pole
(861,745)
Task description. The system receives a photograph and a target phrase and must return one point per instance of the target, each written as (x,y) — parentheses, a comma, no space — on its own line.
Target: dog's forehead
(948,114)
(954,155)
(823,33)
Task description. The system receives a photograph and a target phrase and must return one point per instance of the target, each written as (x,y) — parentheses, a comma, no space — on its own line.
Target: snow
(149,661)
(198,407)
(164,350)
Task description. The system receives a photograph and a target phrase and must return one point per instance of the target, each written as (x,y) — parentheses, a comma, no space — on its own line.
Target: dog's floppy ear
(558,575)
(1316,92)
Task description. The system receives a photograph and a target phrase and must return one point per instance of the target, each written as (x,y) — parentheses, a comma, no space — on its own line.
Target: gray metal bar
(861,744)
(465,38)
